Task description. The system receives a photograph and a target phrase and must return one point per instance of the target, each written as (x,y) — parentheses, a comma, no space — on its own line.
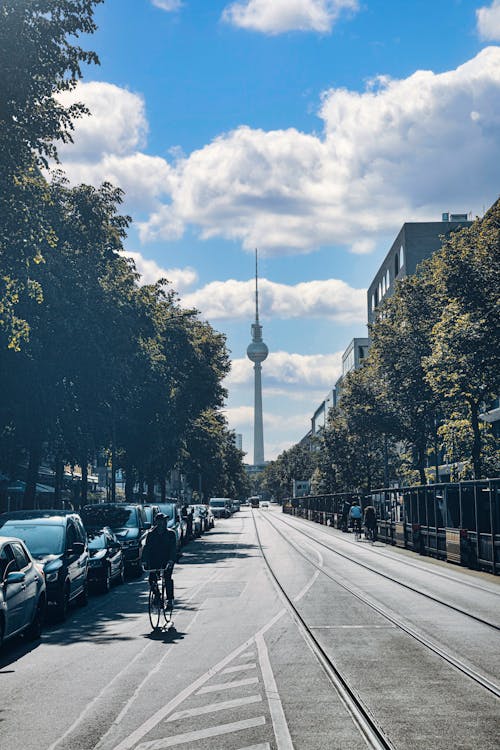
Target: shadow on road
(103,620)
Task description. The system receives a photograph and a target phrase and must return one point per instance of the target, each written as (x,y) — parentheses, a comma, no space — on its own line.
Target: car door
(13,593)
(73,560)
(31,580)
(114,554)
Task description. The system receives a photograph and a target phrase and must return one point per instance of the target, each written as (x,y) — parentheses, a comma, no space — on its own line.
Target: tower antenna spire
(256,289)
(257,352)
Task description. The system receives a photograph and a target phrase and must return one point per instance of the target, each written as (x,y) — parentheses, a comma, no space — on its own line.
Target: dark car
(58,540)
(106,562)
(128,522)
(151,512)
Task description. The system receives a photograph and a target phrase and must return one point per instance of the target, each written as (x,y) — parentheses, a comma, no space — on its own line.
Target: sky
(309,129)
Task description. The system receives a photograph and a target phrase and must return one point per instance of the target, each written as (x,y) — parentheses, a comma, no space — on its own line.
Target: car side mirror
(147,525)
(15,577)
(77,549)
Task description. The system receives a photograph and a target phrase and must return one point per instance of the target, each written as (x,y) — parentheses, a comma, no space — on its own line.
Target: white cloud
(168,5)
(319,299)
(150,271)
(400,150)
(395,151)
(278,16)
(488,21)
(285,369)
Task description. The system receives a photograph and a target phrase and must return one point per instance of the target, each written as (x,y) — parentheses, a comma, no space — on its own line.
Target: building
(257,352)
(238,440)
(415,242)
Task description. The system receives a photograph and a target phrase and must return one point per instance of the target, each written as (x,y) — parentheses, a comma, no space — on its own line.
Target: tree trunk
(163,489)
(58,483)
(476,443)
(85,475)
(32,477)
(129,482)
(421,463)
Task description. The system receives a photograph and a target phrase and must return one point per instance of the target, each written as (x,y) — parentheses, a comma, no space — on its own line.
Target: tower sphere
(257,351)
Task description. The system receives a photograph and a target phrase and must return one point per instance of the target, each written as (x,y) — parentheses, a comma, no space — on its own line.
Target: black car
(57,539)
(129,524)
(106,563)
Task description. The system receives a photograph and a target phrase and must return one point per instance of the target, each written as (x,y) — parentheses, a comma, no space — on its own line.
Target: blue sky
(311,129)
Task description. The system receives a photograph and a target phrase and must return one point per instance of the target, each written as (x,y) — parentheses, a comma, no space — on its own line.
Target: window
(7,561)
(71,536)
(22,558)
(383,284)
(401,257)
(396,265)
(373,302)
(387,279)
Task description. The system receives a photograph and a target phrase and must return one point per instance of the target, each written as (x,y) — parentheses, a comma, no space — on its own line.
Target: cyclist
(355,516)
(160,551)
(370,522)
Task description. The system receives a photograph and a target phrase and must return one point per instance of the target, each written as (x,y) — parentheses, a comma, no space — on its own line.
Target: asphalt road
(235,673)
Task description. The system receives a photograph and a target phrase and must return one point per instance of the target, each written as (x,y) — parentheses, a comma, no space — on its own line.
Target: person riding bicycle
(355,516)
(370,521)
(160,551)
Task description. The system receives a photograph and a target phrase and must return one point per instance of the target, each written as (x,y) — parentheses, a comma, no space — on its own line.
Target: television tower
(257,352)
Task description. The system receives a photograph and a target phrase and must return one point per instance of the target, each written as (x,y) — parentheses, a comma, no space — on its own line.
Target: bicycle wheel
(168,601)
(155,607)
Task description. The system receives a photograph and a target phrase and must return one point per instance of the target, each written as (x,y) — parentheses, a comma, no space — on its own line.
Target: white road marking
(213,707)
(247,655)
(162,713)
(281,731)
(306,587)
(239,668)
(227,685)
(262,746)
(201,734)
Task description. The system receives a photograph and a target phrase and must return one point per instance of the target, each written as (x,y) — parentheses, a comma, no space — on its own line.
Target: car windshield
(40,539)
(217,503)
(96,541)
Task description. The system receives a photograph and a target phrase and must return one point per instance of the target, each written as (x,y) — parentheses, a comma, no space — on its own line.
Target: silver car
(22,591)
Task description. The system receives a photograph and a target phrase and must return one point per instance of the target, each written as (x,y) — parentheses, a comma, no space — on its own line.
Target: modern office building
(414,242)
(238,440)
(352,359)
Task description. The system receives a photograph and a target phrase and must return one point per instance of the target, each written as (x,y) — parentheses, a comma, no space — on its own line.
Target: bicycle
(356,523)
(160,600)
(370,534)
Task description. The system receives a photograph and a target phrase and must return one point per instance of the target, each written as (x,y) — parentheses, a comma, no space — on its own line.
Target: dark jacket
(160,548)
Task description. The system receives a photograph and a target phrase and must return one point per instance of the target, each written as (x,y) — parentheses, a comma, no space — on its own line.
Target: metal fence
(458,522)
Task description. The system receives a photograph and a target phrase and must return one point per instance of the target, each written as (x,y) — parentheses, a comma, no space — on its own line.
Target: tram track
(481,680)
(359,712)
(415,590)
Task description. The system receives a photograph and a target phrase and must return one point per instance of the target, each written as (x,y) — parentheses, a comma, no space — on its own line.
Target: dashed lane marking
(213,707)
(201,734)
(227,685)
(262,746)
(239,668)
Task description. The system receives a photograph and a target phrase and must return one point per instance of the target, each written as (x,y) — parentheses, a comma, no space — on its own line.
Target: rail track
(415,590)
(481,680)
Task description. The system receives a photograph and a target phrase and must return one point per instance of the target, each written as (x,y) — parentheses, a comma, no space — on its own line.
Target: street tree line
(432,370)
(90,360)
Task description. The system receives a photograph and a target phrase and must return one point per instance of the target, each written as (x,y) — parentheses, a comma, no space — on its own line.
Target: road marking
(306,587)
(263,746)
(162,713)
(239,668)
(350,627)
(201,734)
(281,731)
(213,707)
(227,685)
(247,655)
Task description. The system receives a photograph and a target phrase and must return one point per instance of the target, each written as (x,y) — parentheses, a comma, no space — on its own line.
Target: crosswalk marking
(227,685)
(280,726)
(212,707)
(262,746)
(239,668)
(201,734)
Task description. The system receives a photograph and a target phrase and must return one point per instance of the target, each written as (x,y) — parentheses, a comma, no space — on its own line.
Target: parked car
(263,504)
(128,522)
(221,507)
(172,510)
(151,511)
(22,591)
(106,563)
(56,539)
(206,515)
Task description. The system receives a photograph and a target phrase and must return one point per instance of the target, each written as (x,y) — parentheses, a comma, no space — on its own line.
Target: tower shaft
(258,428)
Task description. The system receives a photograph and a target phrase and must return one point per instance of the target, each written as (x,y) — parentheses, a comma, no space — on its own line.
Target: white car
(263,504)
(22,591)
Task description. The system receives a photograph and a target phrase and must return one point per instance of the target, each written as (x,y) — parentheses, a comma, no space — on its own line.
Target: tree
(296,463)
(38,61)
(463,367)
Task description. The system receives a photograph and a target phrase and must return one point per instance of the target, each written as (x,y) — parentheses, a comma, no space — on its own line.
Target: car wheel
(106,584)
(34,631)
(62,606)
(83,598)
